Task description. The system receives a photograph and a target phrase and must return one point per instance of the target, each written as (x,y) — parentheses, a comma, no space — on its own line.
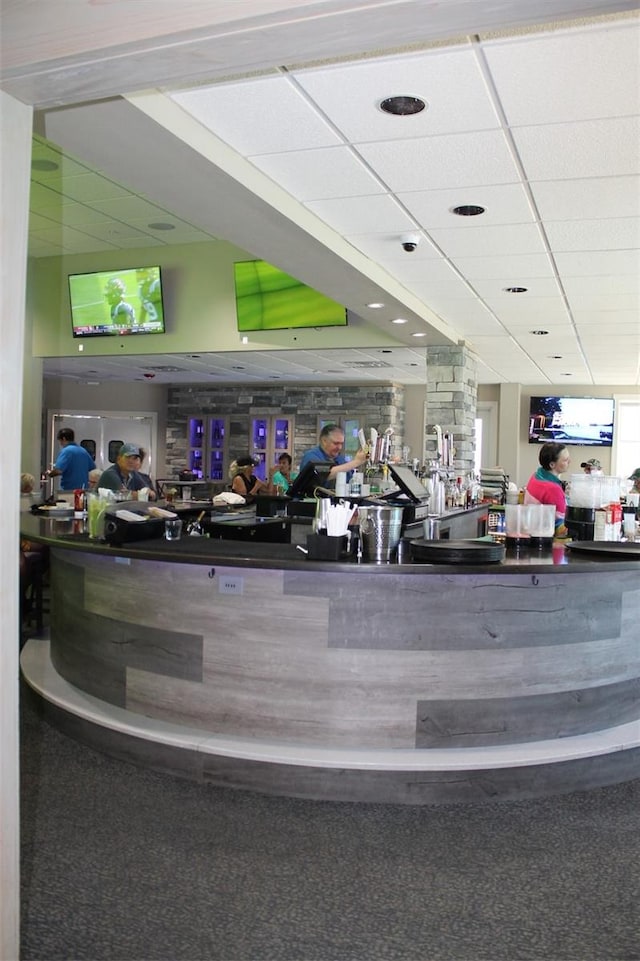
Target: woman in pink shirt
(545,486)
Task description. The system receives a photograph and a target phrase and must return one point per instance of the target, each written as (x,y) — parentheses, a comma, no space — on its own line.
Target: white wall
(15,151)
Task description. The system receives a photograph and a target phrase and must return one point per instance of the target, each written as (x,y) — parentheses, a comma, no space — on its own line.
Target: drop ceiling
(291,158)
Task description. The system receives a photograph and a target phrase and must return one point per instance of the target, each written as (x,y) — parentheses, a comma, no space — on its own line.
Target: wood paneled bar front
(246,665)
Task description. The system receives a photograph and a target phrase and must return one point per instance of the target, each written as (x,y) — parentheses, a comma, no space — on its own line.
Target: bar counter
(247,665)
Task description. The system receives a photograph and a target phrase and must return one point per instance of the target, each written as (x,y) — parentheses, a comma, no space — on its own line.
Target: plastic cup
(173,529)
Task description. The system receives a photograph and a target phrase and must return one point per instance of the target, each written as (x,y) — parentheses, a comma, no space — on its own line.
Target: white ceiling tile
(587,263)
(327,172)
(505,239)
(609,302)
(567,75)
(601,286)
(598,148)
(361,214)
(447,161)
(622,233)
(410,268)
(626,321)
(512,269)
(434,291)
(596,197)
(504,204)
(268,115)
(450,81)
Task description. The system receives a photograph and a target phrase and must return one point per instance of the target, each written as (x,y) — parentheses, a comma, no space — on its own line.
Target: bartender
(123,476)
(329,451)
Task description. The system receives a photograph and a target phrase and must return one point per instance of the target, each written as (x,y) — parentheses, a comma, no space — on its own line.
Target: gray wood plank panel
(491,721)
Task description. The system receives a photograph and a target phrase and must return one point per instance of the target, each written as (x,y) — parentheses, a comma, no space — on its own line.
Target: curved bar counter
(246,665)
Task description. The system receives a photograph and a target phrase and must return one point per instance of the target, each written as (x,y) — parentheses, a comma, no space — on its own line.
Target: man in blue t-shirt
(72,464)
(329,451)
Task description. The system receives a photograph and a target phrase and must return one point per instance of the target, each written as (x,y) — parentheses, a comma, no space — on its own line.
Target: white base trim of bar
(42,677)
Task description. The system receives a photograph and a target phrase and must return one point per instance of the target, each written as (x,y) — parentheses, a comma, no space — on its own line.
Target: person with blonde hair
(244,481)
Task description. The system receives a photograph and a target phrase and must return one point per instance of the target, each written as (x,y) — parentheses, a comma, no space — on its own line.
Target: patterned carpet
(121,864)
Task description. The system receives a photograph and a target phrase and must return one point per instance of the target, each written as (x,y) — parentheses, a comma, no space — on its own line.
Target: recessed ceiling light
(159,225)
(399,320)
(515,290)
(402,105)
(44,165)
(539,333)
(418,335)
(468,210)
(375,306)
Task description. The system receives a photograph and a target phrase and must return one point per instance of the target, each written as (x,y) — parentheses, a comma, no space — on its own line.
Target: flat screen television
(117,303)
(269,299)
(311,476)
(579,421)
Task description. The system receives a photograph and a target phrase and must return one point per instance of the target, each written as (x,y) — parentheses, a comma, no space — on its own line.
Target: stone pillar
(452,393)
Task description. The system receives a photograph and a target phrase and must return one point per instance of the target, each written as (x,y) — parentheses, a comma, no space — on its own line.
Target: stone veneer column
(452,393)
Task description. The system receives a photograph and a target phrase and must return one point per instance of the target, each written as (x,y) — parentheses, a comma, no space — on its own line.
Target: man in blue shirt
(329,451)
(72,464)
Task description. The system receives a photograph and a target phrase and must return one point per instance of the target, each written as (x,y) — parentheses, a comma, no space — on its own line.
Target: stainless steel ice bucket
(380,530)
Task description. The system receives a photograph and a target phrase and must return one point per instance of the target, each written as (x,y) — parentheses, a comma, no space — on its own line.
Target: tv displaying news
(269,299)
(117,303)
(581,421)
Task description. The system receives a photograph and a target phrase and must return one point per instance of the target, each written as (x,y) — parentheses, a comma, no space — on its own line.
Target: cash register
(412,495)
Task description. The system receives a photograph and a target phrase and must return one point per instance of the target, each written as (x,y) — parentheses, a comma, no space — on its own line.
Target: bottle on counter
(195,528)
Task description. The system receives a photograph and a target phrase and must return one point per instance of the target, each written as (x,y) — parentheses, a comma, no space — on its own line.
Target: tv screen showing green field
(269,299)
(116,303)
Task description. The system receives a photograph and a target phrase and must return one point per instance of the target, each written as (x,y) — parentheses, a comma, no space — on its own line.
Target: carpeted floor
(120,863)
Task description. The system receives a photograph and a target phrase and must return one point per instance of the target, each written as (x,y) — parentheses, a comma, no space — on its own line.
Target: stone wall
(452,395)
(377,405)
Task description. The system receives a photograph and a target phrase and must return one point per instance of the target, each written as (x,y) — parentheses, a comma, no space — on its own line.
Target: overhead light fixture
(160,225)
(402,105)
(515,290)
(399,320)
(539,333)
(418,335)
(375,306)
(468,210)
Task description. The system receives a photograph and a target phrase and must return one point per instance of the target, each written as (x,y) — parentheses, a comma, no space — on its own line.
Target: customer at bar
(329,451)
(244,481)
(73,463)
(592,466)
(124,476)
(635,477)
(545,486)
(281,475)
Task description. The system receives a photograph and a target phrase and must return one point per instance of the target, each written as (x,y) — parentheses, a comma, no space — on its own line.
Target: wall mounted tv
(269,299)
(117,303)
(581,421)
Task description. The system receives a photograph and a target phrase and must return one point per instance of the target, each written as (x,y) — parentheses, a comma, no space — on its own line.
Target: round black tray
(457,552)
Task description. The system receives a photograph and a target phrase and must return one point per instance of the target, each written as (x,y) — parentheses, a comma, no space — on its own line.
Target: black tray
(457,552)
(617,548)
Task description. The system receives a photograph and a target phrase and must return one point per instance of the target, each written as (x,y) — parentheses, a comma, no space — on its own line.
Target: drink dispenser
(530,523)
(588,493)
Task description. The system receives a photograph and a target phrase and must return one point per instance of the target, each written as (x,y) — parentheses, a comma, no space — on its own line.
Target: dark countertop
(68,534)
